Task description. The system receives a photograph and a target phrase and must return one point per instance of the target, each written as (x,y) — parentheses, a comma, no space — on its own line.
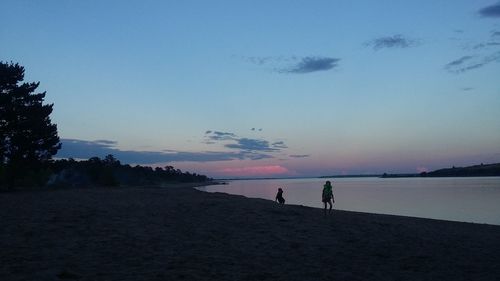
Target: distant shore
(184,234)
(481,170)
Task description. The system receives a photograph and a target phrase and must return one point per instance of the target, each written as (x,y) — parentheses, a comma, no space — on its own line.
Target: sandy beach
(186,234)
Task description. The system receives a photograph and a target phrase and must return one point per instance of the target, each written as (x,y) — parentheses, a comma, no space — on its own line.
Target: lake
(472,199)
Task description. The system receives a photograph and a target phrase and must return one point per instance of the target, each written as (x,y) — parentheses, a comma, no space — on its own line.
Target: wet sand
(185,234)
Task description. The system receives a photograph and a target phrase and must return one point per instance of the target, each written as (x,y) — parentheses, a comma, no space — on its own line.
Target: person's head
(279,189)
(328,183)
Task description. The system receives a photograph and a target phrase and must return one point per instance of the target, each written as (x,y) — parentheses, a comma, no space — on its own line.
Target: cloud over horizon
(247,144)
(492,11)
(83,149)
(243,143)
(390,42)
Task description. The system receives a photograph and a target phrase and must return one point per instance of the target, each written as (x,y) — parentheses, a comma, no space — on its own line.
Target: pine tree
(28,139)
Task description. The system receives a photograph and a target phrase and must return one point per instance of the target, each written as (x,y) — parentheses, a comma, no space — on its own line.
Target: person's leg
(325,208)
(331,205)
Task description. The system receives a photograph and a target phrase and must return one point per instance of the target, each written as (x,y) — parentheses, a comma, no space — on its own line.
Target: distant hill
(482,170)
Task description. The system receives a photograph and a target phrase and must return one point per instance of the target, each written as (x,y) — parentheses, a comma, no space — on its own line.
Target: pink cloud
(255,171)
(422,169)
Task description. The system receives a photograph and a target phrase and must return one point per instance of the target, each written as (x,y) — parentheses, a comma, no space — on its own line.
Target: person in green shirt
(327,196)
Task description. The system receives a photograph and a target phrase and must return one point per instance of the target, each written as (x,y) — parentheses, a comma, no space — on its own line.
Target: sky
(266,88)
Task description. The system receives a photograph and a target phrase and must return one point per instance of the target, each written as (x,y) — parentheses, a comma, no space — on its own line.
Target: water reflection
(459,199)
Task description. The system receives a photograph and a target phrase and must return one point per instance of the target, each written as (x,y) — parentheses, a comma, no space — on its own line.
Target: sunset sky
(266,88)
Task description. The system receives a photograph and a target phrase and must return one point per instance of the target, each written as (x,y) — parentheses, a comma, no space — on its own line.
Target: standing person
(279,196)
(327,196)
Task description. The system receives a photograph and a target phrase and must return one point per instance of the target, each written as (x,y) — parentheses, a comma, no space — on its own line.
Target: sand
(185,234)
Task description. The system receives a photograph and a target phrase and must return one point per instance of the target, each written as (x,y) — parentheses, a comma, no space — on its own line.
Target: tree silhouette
(110,172)
(28,139)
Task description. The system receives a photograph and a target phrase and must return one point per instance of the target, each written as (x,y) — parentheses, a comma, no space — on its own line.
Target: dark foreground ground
(185,234)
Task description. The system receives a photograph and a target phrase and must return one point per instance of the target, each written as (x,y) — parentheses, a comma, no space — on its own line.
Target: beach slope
(186,234)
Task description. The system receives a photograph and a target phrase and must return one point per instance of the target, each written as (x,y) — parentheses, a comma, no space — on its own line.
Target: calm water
(458,199)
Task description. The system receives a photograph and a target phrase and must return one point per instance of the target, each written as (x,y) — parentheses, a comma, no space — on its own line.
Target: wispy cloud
(299,155)
(279,145)
(312,64)
(106,142)
(465,68)
(390,42)
(459,61)
(247,146)
(262,60)
(467,63)
(217,136)
(485,45)
(466,89)
(492,11)
(258,60)
(294,64)
(495,33)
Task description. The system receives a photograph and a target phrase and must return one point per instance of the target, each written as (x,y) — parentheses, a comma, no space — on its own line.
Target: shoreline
(454,199)
(187,234)
(351,211)
(98,187)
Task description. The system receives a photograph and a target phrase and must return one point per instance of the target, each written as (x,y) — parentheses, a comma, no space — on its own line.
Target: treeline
(95,172)
(482,170)
(110,172)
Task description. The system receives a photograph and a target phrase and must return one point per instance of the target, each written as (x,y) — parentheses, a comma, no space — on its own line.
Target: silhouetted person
(279,196)
(327,196)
